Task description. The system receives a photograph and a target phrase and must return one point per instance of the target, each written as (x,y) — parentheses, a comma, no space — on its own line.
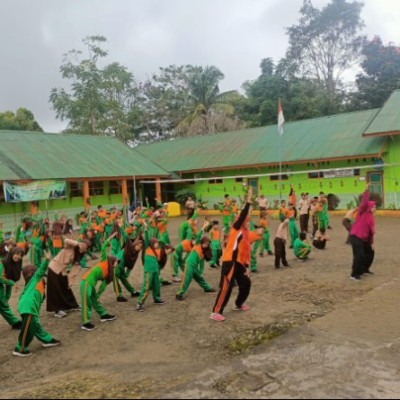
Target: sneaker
(52,343)
(217,317)
(270,253)
(166,283)
(77,309)
(211,290)
(161,301)
(179,297)
(60,314)
(301,259)
(139,307)
(254,271)
(213,266)
(107,317)
(261,255)
(135,294)
(356,278)
(122,299)
(94,257)
(291,246)
(243,307)
(17,325)
(88,327)
(329,227)
(176,279)
(25,353)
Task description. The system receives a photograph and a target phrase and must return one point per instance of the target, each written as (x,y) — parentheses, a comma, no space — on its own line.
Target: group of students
(233,248)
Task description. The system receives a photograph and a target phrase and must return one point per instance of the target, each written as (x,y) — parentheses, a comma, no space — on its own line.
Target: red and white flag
(281,119)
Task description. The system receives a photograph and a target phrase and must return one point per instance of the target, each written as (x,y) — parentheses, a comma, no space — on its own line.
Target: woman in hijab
(10,273)
(60,297)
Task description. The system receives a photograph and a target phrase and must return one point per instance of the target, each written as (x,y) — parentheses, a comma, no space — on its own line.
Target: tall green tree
(100,99)
(211,111)
(301,97)
(325,43)
(380,76)
(22,120)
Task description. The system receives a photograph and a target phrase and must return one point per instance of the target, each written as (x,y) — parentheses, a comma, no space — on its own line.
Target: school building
(91,170)
(334,154)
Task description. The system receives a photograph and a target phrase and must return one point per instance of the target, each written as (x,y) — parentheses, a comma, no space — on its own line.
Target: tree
(380,76)
(22,120)
(100,99)
(302,97)
(326,43)
(210,110)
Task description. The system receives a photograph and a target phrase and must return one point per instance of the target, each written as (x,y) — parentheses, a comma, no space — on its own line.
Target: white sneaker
(60,314)
(176,279)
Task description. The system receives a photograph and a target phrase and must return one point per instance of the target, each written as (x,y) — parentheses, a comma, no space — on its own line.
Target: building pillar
(158,190)
(86,196)
(124,187)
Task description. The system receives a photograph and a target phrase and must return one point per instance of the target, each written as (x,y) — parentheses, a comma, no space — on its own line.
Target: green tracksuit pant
(265,243)
(31,327)
(122,276)
(151,281)
(193,272)
(5,310)
(88,301)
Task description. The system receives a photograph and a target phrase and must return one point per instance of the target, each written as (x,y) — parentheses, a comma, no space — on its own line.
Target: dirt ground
(311,333)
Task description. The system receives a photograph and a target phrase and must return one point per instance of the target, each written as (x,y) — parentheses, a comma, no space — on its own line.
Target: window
(115,187)
(240,179)
(284,177)
(1,192)
(357,172)
(96,188)
(313,175)
(76,189)
(213,181)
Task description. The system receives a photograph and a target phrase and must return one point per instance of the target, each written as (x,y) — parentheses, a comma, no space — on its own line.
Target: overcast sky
(233,35)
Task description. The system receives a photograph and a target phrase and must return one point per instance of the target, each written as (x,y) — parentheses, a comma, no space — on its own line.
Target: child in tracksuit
(300,248)
(154,256)
(126,261)
(102,271)
(29,305)
(215,238)
(194,266)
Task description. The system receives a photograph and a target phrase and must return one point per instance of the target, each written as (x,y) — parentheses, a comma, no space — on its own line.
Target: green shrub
(333,201)
(373,197)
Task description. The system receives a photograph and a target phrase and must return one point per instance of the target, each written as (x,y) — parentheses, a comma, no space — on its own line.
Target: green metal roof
(337,136)
(33,155)
(387,121)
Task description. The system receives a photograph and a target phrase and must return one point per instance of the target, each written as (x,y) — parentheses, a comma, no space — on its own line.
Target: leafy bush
(373,197)
(333,201)
(182,195)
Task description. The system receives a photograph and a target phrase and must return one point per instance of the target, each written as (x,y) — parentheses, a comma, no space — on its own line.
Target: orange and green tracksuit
(265,242)
(321,217)
(5,294)
(163,234)
(177,262)
(151,276)
(89,296)
(234,211)
(121,273)
(283,212)
(293,229)
(257,240)
(29,305)
(56,244)
(194,268)
(226,218)
(36,251)
(118,243)
(301,250)
(215,238)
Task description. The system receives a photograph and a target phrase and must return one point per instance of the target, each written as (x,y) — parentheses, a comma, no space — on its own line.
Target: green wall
(345,187)
(392,174)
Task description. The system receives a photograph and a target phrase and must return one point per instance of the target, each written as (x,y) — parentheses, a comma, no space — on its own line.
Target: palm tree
(206,101)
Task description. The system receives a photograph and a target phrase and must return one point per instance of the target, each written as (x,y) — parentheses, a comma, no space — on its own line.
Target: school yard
(311,333)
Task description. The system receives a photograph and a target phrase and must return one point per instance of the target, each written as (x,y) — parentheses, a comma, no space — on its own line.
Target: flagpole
(281,120)
(280,168)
